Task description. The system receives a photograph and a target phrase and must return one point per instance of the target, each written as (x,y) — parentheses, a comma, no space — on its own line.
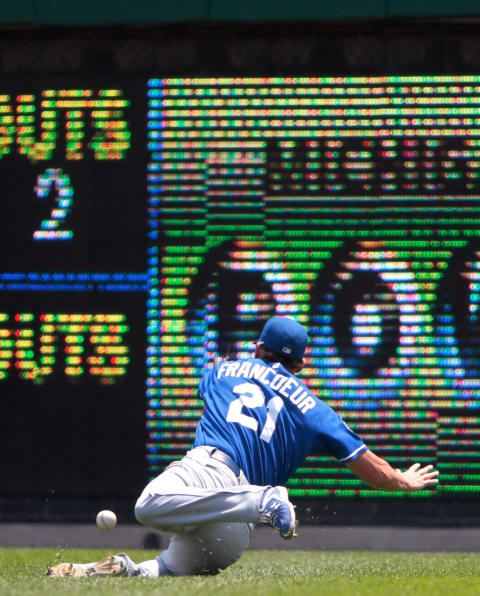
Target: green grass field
(262,573)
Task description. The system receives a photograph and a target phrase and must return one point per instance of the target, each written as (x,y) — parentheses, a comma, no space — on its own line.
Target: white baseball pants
(209,510)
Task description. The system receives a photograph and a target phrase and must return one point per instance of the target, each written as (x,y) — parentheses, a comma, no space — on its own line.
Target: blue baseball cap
(284,336)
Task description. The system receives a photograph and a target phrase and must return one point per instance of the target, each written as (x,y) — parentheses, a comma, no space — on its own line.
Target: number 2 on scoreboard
(50,229)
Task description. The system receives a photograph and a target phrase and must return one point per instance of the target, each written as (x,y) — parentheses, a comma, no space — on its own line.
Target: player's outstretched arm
(379,473)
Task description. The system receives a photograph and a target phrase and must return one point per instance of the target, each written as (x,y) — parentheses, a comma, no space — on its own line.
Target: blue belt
(226,459)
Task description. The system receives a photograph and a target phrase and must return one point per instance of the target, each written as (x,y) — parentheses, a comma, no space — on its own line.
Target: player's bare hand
(418,478)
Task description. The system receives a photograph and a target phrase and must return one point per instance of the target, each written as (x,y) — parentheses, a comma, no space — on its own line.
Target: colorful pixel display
(31,125)
(72,374)
(92,344)
(70,176)
(73,280)
(349,203)
(150,226)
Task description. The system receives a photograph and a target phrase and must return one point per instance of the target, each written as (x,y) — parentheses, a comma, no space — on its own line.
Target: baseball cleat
(277,511)
(112,565)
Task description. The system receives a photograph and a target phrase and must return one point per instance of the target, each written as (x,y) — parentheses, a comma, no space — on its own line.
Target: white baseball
(106,520)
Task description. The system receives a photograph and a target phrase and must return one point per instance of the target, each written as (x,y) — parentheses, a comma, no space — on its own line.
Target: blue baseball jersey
(268,421)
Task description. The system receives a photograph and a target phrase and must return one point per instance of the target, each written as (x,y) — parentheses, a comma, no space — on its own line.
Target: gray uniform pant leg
(207,550)
(208,509)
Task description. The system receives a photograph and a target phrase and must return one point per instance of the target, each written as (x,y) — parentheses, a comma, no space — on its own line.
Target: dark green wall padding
(122,12)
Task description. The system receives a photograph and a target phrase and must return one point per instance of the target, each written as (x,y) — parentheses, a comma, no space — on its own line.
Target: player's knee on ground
(207,549)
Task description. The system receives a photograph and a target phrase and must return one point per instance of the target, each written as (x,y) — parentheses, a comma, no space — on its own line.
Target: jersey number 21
(251,396)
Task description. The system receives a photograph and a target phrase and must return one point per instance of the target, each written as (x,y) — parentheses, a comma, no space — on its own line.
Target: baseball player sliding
(259,424)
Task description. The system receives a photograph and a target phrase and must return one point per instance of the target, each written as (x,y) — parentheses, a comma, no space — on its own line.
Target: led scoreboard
(73,277)
(151,224)
(351,204)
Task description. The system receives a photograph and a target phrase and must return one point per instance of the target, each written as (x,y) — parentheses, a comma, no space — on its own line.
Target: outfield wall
(114,12)
(363,538)
(166,188)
